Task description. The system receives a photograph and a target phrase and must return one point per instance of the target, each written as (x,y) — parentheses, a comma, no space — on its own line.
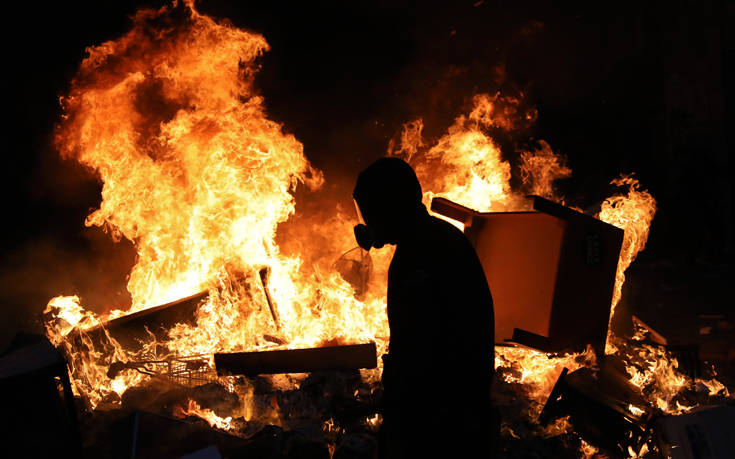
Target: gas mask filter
(365,235)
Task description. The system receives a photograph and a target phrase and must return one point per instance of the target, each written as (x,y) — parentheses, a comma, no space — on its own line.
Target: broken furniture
(603,407)
(687,355)
(551,272)
(345,357)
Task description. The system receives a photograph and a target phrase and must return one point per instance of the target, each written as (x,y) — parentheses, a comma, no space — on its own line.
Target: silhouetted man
(438,372)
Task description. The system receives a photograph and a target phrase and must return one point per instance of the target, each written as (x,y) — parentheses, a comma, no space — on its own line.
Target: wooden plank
(129,329)
(347,357)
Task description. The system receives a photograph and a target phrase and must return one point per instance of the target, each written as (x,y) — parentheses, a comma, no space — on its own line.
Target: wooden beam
(347,357)
(129,329)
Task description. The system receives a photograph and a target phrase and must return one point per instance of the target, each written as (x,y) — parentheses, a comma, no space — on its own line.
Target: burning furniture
(131,329)
(603,407)
(551,272)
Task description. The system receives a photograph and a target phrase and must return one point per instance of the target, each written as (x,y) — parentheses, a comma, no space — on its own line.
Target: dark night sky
(619,88)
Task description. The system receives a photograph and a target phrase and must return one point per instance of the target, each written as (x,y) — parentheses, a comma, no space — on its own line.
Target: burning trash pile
(236,342)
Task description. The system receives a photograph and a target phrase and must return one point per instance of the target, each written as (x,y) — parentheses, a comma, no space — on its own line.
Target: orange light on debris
(538,371)
(193,409)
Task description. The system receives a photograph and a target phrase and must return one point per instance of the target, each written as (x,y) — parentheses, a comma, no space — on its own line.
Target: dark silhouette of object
(355,266)
(40,414)
(438,373)
(552,271)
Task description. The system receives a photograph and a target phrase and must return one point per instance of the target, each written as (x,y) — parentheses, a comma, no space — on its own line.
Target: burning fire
(632,212)
(198,177)
(466,166)
(193,409)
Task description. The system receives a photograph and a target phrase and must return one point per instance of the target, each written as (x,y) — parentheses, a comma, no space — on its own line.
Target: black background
(642,87)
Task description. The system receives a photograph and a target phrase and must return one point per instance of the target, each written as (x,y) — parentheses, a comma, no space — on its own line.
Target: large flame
(193,171)
(198,178)
(633,213)
(466,164)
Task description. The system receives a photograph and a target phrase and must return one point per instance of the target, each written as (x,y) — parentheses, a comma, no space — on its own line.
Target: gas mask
(364,234)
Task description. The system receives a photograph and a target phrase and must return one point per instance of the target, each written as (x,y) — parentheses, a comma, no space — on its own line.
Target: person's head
(388,197)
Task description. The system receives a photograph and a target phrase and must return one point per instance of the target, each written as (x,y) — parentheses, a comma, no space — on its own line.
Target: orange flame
(540,169)
(193,409)
(633,213)
(198,178)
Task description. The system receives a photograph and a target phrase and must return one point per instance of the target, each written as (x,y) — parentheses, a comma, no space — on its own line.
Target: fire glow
(198,178)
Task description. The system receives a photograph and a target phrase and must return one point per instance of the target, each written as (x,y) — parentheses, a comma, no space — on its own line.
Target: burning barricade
(279,348)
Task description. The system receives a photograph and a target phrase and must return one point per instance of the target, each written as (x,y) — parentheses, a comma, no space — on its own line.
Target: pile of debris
(335,413)
(328,412)
(316,403)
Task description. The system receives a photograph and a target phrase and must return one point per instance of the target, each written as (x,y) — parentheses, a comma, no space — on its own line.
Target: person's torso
(439,305)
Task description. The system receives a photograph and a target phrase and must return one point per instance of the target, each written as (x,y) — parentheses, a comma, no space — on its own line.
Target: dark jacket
(439,369)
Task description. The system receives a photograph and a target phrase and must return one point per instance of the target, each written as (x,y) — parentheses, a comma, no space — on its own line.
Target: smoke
(90,265)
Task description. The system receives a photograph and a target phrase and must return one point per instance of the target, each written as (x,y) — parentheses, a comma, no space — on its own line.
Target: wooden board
(129,329)
(347,357)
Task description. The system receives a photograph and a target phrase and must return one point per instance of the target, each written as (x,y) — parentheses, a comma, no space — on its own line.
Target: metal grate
(189,371)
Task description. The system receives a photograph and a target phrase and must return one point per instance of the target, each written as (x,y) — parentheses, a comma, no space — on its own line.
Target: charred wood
(347,357)
(133,328)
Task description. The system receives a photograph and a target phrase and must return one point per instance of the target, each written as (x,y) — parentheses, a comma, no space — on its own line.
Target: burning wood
(605,417)
(346,357)
(652,334)
(132,329)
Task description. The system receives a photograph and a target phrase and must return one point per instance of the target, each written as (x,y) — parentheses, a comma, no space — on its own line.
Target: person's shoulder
(445,233)
(439,224)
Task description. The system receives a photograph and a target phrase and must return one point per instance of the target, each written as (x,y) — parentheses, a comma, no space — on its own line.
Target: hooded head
(388,197)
